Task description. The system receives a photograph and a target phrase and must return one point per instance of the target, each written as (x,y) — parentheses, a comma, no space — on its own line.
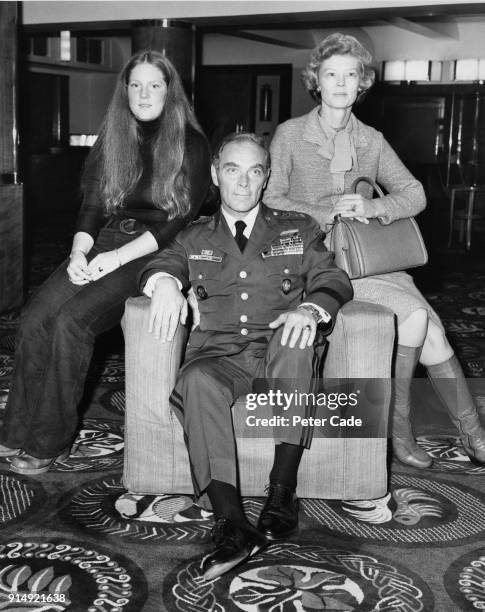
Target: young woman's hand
(77,270)
(355,206)
(103,264)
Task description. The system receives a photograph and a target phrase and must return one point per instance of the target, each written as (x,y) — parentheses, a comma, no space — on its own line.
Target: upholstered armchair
(156,460)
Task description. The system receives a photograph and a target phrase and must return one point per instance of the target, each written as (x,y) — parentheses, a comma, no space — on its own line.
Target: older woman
(145,179)
(315,159)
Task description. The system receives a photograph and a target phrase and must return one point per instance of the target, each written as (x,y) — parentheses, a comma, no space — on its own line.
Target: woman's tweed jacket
(301,180)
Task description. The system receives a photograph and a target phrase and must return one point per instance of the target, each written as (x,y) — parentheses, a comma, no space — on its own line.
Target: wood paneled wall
(11,193)
(8,46)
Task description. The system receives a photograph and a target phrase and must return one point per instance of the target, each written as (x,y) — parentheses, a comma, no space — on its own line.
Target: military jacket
(284,263)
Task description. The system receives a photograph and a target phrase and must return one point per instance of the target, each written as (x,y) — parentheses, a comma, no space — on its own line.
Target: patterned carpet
(74,539)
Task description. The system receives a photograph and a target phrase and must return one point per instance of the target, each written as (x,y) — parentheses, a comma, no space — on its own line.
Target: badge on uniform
(290,243)
(286,286)
(201,292)
(206,255)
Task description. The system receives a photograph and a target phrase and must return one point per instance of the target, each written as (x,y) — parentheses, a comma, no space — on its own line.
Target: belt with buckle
(126,225)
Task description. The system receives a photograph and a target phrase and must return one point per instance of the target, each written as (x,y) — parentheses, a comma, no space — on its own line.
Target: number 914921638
(37,597)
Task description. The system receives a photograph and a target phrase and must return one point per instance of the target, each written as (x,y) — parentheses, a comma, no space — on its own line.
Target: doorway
(233,98)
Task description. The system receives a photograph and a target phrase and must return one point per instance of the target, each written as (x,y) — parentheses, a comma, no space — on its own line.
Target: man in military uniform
(263,281)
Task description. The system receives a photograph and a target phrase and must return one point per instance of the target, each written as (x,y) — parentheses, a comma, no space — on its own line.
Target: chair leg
(469,218)
(452,217)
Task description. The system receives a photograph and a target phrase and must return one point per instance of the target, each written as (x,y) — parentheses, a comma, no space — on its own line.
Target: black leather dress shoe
(279,517)
(233,545)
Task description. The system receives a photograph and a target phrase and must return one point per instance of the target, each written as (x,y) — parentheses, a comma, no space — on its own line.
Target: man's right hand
(167,307)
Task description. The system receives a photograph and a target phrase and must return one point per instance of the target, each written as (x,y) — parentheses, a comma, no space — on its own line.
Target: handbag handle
(365,179)
(371,182)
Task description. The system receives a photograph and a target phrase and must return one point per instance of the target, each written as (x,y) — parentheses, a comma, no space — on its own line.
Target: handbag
(369,249)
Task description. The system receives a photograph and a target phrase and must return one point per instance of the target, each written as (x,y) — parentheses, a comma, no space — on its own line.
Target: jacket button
(243,318)
(244,296)
(244,331)
(243,274)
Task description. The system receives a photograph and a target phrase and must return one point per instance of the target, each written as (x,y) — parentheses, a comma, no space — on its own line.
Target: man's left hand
(298,325)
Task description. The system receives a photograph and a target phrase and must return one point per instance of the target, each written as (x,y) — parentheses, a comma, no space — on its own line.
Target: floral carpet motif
(293,577)
(20,497)
(465,581)
(417,511)
(58,575)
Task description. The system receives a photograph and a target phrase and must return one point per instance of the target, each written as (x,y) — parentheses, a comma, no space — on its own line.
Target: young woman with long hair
(144,180)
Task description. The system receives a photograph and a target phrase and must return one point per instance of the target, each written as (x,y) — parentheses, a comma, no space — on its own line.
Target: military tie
(240,237)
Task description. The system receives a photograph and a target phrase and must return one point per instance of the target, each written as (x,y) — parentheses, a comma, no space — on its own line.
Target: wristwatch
(313,311)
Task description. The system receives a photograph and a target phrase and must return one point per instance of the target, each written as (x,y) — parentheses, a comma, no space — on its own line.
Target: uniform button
(244,296)
(243,318)
(200,276)
(286,271)
(243,274)
(244,331)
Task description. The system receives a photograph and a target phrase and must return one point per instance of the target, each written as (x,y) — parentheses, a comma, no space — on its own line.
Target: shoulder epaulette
(292,214)
(288,214)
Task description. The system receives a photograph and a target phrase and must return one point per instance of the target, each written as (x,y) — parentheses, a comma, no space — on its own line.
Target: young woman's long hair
(117,150)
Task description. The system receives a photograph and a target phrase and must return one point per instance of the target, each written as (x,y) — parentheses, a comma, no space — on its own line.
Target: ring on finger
(307,327)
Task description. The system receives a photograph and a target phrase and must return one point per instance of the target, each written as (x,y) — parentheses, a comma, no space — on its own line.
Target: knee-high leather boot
(460,405)
(404,445)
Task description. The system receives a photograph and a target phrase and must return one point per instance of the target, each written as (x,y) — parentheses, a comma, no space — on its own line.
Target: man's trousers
(207,388)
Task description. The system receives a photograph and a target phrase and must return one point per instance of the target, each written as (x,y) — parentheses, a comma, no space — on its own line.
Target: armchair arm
(362,342)
(153,437)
